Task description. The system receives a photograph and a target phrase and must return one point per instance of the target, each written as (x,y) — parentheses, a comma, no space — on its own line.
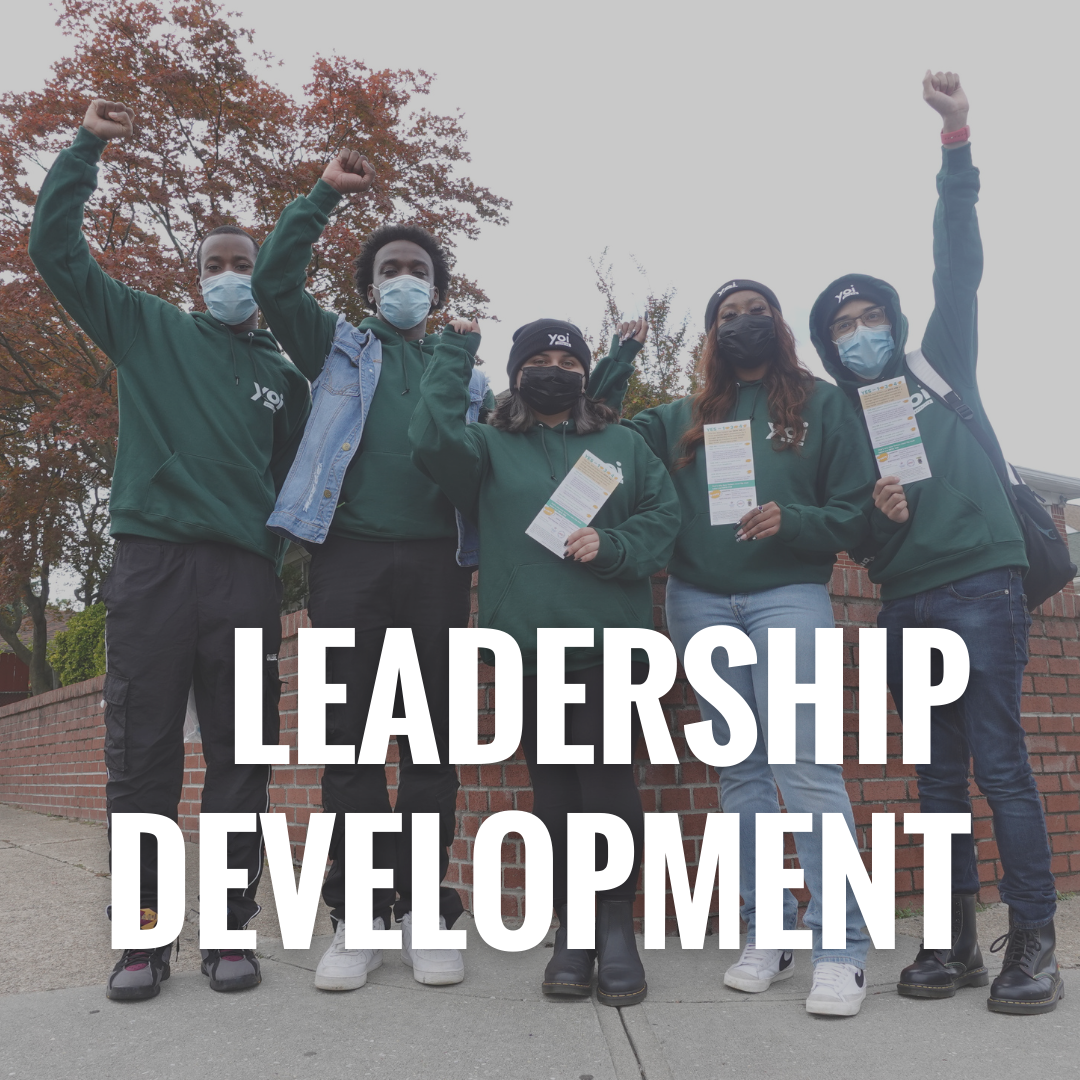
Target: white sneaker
(838,990)
(347,969)
(757,969)
(433,967)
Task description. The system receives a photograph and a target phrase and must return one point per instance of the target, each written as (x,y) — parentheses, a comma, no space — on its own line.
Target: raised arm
(104,308)
(446,448)
(951,340)
(611,374)
(279,282)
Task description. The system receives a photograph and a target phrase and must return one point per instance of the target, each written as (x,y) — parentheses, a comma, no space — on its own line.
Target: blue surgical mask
(866,351)
(404,301)
(228,297)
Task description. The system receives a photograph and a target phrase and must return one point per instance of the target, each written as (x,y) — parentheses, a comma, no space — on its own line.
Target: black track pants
(371,586)
(171,610)
(559,790)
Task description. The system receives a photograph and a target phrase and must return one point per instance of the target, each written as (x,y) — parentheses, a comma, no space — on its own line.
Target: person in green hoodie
(387,547)
(758,567)
(210,415)
(503,475)
(948,552)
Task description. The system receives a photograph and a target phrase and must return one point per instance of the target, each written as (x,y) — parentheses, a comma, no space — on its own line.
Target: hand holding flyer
(574,503)
(729,468)
(894,431)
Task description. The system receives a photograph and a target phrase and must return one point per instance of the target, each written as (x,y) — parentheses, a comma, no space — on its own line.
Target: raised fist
(109,119)
(350,173)
(943,93)
(465,326)
(637,329)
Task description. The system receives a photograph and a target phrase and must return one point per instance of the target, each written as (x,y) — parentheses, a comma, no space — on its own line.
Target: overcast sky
(786,142)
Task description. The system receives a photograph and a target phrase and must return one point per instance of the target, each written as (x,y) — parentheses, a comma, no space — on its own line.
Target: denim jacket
(340,399)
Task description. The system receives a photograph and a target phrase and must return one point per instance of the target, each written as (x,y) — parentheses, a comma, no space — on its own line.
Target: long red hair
(788,384)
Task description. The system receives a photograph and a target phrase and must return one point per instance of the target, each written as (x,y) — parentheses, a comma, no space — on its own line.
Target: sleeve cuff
(628,350)
(956,158)
(608,555)
(884,524)
(470,342)
(324,196)
(790,524)
(88,147)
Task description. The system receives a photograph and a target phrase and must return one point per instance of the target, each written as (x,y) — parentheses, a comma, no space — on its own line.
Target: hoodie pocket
(217,495)
(563,595)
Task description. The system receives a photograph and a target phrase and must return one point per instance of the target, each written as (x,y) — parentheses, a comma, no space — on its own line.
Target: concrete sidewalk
(55,1020)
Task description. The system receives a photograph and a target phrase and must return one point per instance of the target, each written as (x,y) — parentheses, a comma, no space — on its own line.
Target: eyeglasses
(874,318)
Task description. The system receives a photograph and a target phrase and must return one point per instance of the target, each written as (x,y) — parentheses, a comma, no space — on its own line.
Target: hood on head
(822,314)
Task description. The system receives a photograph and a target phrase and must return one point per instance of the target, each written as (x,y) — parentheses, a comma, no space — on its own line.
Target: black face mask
(747,340)
(550,390)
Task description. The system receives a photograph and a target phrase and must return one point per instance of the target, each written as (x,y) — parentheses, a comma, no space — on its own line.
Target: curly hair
(788,384)
(364,274)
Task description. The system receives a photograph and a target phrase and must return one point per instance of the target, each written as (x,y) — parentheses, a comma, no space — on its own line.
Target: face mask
(747,340)
(550,390)
(866,351)
(404,301)
(228,297)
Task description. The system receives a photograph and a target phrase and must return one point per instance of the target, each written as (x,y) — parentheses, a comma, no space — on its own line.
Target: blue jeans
(988,611)
(749,788)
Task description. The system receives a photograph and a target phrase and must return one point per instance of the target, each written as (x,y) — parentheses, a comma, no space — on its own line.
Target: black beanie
(737,285)
(537,337)
(845,292)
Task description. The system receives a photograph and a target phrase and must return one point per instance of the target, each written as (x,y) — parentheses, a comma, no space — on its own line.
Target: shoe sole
(618,1000)
(1019,1008)
(434,978)
(756,986)
(136,993)
(351,983)
(835,1008)
(919,990)
(564,989)
(227,986)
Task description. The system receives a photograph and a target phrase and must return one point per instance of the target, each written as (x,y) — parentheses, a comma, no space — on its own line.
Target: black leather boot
(620,978)
(1029,981)
(569,971)
(939,973)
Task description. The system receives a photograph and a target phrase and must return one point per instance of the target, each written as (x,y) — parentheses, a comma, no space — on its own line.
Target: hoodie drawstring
(543,443)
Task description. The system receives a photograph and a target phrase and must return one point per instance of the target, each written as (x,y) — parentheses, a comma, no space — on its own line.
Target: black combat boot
(939,973)
(620,978)
(1029,981)
(569,971)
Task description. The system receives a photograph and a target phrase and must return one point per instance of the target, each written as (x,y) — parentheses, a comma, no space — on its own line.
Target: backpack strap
(920,367)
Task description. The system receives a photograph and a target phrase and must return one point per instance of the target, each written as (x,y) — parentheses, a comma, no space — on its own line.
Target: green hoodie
(961,522)
(383,496)
(821,486)
(209,420)
(502,480)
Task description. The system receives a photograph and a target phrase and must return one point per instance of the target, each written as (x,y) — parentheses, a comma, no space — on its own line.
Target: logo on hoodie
(270,398)
(849,291)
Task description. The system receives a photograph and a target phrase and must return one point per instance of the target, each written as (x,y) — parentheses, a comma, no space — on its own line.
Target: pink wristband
(951,138)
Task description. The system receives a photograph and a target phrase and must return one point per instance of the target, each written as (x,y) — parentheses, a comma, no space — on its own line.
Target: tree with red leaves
(215,143)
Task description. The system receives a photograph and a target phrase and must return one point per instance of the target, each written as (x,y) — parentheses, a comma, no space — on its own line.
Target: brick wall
(51,756)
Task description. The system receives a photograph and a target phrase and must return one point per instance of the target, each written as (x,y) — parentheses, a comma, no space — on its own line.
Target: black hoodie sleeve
(951,339)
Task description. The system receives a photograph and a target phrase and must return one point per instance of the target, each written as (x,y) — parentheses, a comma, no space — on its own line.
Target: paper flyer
(894,431)
(729,468)
(574,503)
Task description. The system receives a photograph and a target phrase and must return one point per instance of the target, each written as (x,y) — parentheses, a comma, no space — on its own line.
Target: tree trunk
(42,677)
